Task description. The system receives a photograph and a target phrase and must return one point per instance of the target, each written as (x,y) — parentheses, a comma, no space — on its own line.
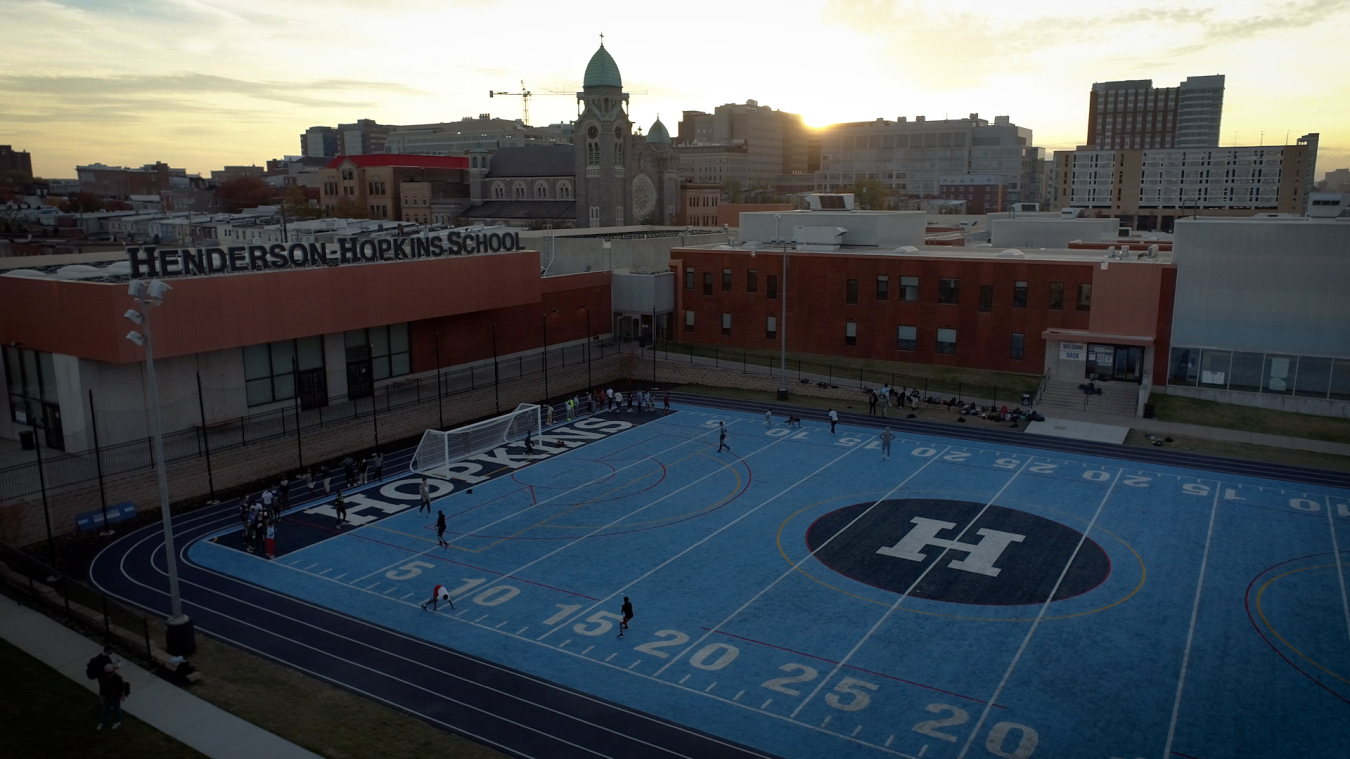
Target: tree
(732,189)
(870,194)
(243,192)
(297,205)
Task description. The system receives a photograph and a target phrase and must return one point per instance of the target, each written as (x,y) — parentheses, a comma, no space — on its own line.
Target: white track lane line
(792,569)
(840,665)
(984,715)
(1190,632)
(1340,571)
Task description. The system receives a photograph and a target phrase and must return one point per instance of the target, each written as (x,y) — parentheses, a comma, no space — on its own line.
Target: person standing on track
(327,478)
(834,419)
(627,610)
(424,493)
(438,594)
(886,437)
(440,529)
(349,468)
(377,461)
(666,410)
(722,437)
(271,539)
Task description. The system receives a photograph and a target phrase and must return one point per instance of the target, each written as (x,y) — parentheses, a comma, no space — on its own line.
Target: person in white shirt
(834,419)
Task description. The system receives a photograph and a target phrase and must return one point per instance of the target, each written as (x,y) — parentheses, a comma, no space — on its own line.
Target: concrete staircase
(1117,398)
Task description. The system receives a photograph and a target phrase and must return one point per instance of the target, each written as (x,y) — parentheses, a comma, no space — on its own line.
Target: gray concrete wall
(1276,286)
(1049,233)
(581,254)
(1295,404)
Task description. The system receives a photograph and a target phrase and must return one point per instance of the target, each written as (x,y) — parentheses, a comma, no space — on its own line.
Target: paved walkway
(168,708)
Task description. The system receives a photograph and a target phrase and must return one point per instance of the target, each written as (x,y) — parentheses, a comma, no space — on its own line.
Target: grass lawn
(905,373)
(323,718)
(1175,408)
(46,716)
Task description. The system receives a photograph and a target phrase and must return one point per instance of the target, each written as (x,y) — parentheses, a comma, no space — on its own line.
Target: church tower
(603,139)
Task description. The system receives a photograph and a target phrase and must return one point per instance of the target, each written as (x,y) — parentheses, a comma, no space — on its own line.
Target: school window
(1085,297)
(726,280)
(771,327)
(907,338)
(707,283)
(949,291)
(1018,346)
(752,281)
(986,297)
(269,369)
(852,294)
(1019,295)
(850,333)
(688,279)
(726,324)
(689,320)
(31,380)
(772,287)
(883,287)
(946,341)
(909,289)
(1056,296)
(375,354)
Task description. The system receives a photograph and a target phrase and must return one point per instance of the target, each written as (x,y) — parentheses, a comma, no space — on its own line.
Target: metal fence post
(145,628)
(107,626)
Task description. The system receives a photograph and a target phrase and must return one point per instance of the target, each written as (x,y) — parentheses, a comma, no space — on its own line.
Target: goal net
(439,449)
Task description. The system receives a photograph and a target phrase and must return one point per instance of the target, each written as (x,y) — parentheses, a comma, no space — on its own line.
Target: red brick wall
(818,311)
(1163,342)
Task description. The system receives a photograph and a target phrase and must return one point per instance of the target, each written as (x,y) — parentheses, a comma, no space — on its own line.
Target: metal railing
(810,372)
(40,585)
(22,480)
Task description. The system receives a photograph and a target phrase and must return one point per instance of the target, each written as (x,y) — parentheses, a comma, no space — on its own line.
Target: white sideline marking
(1190,632)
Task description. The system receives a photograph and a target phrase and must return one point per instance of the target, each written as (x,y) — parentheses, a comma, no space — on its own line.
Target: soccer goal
(439,449)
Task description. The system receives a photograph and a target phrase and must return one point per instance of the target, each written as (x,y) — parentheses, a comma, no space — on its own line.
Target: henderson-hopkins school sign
(150,261)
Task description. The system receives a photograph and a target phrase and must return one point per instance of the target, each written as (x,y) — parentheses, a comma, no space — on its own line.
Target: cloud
(71,89)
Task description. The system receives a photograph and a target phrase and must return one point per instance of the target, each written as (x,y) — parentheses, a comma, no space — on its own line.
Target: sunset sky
(204,83)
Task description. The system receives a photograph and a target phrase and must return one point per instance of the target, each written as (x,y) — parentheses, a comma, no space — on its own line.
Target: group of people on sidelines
(260,514)
(637,400)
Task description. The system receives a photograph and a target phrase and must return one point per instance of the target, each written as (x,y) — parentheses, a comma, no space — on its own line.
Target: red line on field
(626,447)
(1185,756)
(1247,603)
(471,566)
(850,666)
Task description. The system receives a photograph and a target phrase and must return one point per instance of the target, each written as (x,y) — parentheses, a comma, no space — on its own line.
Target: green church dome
(658,134)
(602,71)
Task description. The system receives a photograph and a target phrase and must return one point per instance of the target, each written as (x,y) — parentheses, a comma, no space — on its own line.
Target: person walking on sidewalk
(112,689)
(834,419)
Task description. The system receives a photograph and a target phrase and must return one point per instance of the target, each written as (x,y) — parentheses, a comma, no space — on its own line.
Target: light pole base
(782,394)
(180,637)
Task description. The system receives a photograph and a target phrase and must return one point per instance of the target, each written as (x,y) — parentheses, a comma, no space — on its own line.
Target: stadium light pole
(179,636)
(374,396)
(440,412)
(295,389)
(546,394)
(496,380)
(590,385)
(782,316)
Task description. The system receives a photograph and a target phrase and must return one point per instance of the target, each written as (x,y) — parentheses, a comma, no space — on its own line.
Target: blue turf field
(803,596)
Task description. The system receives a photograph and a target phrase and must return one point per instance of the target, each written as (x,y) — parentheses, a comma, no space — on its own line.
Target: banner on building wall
(1072,352)
(151,261)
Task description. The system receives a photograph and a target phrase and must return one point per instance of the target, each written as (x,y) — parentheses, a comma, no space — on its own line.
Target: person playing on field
(440,529)
(768,417)
(886,437)
(548,414)
(529,444)
(424,493)
(834,419)
(438,594)
(340,506)
(666,410)
(722,437)
(627,610)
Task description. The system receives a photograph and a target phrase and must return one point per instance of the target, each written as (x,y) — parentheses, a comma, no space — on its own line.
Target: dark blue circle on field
(1007,557)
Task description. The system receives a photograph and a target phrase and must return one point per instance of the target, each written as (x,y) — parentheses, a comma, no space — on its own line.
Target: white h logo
(980,557)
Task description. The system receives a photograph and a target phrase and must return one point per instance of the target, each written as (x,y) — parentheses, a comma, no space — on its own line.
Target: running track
(512,711)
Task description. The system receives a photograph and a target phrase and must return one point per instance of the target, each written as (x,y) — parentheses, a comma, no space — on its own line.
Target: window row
(270,369)
(30,377)
(1268,373)
(906,337)
(751,282)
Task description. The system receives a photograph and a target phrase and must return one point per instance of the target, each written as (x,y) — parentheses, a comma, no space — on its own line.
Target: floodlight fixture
(136,337)
(133,316)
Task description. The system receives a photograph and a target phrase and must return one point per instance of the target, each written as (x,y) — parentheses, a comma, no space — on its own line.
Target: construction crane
(525,96)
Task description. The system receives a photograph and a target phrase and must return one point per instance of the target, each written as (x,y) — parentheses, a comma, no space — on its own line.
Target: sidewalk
(1210,433)
(169,709)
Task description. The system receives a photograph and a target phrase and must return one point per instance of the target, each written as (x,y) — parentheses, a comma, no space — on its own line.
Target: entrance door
(313,388)
(1115,362)
(360,379)
(51,424)
(1101,361)
(1128,363)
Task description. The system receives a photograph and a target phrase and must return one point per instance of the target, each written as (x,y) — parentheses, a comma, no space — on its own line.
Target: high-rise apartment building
(1150,189)
(774,141)
(1133,114)
(15,160)
(912,157)
(319,142)
(365,137)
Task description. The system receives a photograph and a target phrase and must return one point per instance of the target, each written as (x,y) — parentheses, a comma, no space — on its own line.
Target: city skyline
(205,84)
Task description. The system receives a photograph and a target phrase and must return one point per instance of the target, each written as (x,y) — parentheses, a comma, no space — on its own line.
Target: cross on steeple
(602,39)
